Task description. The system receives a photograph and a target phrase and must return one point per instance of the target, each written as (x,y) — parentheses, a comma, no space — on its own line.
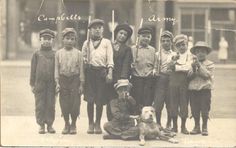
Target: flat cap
(167,34)
(95,21)
(201,44)
(145,30)
(48,32)
(68,30)
(180,38)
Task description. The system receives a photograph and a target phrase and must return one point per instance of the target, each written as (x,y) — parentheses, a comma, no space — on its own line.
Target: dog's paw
(172,140)
(142,143)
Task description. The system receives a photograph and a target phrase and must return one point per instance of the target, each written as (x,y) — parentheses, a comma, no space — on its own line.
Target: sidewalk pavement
(23,131)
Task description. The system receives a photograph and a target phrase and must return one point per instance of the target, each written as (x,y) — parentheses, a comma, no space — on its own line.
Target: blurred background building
(21,20)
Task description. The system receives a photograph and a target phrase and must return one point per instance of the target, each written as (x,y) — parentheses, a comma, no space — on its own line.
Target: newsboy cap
(125,27)
(145,30)
(95,21)
(201,44)
(180,38)
(167,34)
(68,30)
(123,82)
(48,32)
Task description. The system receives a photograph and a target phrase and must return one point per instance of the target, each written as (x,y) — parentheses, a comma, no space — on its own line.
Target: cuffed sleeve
(56,75)
(206,71)
(33,69)
(109,55)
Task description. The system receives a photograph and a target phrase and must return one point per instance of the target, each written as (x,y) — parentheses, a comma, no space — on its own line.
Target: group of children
(123,78)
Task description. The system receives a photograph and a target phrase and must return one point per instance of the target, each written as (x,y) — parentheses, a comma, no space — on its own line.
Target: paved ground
(18,127)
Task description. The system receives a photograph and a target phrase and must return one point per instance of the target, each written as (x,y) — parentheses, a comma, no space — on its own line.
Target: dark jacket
(122,63)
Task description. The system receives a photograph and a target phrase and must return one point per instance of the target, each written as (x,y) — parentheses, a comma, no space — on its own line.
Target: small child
(122,125)
(200,86)
(42,81)
(69,79)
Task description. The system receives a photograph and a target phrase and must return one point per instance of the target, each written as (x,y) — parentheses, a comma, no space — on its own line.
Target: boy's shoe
(90,129)
(97,129)
(184,131)
(42,129)
(196,130)
(204,131)
(175,130)
(73,129)
(50,129)
(66,129)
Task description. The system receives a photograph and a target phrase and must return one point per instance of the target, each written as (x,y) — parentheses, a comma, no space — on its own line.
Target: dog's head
(148,114)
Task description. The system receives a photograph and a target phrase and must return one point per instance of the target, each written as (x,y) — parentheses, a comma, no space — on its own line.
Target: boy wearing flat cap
(161,95)
(69,77)
(42,81)
(98,58)
(122,125)
(178,82)
(200,86)
(122,58)
(143,69)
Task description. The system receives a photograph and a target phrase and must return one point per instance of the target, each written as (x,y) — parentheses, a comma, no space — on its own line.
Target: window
(193,22)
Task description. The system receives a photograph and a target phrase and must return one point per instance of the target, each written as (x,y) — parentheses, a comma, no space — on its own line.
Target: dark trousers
(178,86)
(142,91)
(45,102)
(161,94)
(69,95)
(200,102)
(95,85)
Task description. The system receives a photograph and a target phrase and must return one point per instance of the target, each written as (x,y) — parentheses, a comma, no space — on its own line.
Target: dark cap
(68,30)
(145,30)
(167,34)
(47,32)
(95,21)
(125,27)
(201,44)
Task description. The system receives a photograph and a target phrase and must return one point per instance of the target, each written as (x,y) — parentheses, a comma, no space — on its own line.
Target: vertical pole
(59,24)
(113,25)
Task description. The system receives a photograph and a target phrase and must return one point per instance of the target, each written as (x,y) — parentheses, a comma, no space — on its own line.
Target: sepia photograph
(118,73)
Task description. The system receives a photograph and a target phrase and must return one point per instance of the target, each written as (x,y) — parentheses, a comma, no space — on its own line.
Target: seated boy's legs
(113,130)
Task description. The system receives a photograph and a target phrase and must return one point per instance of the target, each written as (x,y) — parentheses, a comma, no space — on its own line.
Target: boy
(122,125)
(98,57)
(161,95)
(178,83)
(69,79)
(143,69)
(42,81)
(200,86)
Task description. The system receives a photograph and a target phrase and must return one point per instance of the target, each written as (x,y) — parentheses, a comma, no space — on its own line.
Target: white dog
(149,129)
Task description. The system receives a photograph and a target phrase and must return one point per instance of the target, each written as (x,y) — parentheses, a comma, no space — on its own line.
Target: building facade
(202,19)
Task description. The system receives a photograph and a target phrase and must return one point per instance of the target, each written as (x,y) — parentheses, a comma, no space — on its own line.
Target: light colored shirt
(203,77)
(69,63)
(144,62)
(184,62)
(165,59)
(102,56)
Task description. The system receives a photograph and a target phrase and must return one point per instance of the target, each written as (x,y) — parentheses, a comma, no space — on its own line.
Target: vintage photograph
(118,73)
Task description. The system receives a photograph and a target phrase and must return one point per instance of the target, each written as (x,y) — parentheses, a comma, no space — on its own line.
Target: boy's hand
(33,89)
(109,76)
